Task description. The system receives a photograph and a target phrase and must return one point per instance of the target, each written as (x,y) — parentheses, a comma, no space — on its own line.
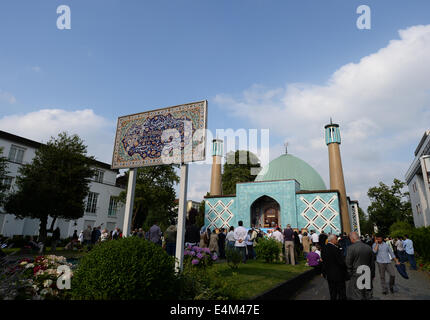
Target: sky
(286,66)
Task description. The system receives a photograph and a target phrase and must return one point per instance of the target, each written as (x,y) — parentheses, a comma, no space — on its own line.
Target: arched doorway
(265,212)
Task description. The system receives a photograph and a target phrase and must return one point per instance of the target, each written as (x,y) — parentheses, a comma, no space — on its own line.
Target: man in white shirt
(278,236)
(240,234)
(315,238)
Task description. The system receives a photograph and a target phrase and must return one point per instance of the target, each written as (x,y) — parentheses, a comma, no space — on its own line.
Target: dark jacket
(321,240)
(288,234)
(334,267)
(359,254)
(192,234)
(56,234)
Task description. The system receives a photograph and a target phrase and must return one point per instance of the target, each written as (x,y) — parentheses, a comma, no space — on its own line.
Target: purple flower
(214,257)
(199,255)
(195,261)
(206,250)
(186,252)
(195,248)
(192,253)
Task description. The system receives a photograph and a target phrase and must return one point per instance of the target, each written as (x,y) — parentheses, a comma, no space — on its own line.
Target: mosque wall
(318,211)
(219,212)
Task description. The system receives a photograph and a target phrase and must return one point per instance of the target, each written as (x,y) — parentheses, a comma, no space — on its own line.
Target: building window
(92,202)
(418,206)
(98,176)
(113,207)
(7,182)
(16,154)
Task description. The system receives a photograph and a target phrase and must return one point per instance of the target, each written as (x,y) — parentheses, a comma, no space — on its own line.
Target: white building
(417,178)
(101,208)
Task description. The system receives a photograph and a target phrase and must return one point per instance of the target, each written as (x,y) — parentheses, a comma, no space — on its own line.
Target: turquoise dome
(290,167)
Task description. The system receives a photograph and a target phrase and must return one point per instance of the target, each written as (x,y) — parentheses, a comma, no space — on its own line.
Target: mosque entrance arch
(265,212)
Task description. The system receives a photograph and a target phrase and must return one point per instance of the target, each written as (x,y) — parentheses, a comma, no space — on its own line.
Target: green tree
(235,172)
(3,173)
(55,184)
(200,216)
(366,226)
(154,198)
(389,204)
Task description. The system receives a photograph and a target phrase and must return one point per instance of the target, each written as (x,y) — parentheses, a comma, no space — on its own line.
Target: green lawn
(256,276)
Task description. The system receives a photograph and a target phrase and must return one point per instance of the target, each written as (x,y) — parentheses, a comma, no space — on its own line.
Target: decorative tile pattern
(219,214)
(320,214)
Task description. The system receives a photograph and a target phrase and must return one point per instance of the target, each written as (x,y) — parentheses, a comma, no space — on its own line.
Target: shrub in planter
(234,258)
(125,269)
(204,284)
(268,250)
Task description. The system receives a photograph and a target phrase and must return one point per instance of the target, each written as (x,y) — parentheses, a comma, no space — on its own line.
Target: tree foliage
(236,171)
(389,204)
(54,184)
(366,226)
(155,196)
(3,173)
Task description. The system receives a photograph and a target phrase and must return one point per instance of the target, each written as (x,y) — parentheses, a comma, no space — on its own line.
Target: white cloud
(382,104)
(97,132)
(7,97)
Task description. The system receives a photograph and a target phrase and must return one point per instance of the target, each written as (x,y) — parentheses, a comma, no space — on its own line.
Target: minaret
(337,182)
(216,167)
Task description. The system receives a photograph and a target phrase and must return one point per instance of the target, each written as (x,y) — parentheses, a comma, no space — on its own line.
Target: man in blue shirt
(384,254)
(409,249)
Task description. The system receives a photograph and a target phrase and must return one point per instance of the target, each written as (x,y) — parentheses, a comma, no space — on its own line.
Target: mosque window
(92,202)
(113,207)
(98,176)
(16,154)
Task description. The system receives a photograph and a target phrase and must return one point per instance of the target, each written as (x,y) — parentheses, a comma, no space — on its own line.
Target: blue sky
(123,57)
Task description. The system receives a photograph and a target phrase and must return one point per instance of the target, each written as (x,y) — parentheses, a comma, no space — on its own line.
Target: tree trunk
(42,229)
(51,229)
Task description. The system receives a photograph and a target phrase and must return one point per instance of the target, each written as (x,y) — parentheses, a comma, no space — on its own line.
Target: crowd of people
(335,257)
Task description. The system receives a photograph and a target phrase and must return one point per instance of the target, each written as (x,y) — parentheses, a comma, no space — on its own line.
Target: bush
(127,269)
(400,228)
(419,236)
(234,257)
(268,250)
(204,284)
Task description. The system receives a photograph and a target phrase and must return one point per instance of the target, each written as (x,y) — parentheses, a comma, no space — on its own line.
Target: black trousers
(337,290)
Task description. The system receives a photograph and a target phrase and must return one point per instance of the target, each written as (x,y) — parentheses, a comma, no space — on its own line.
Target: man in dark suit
(322,238)
(334,269)
(359,254)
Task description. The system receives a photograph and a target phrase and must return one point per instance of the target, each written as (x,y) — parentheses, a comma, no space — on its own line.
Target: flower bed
(200,257)
(34,279)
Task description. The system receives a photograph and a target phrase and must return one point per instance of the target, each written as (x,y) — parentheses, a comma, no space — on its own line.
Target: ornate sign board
(170,135)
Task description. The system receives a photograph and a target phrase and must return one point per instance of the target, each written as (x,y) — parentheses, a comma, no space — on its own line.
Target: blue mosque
(287,191)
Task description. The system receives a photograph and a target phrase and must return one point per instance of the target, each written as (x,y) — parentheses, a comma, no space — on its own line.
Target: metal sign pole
(182,213)
(129,202)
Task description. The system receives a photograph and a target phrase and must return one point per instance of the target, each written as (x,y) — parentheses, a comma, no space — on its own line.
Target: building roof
(287,167)
(36,145)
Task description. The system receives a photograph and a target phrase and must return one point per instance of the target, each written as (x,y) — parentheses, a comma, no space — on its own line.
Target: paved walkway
(417,287)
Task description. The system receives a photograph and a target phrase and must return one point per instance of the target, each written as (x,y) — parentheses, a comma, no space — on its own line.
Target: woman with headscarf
(203,238)
(213,242)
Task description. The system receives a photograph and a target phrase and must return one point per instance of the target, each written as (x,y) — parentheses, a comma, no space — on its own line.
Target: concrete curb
(287,289)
